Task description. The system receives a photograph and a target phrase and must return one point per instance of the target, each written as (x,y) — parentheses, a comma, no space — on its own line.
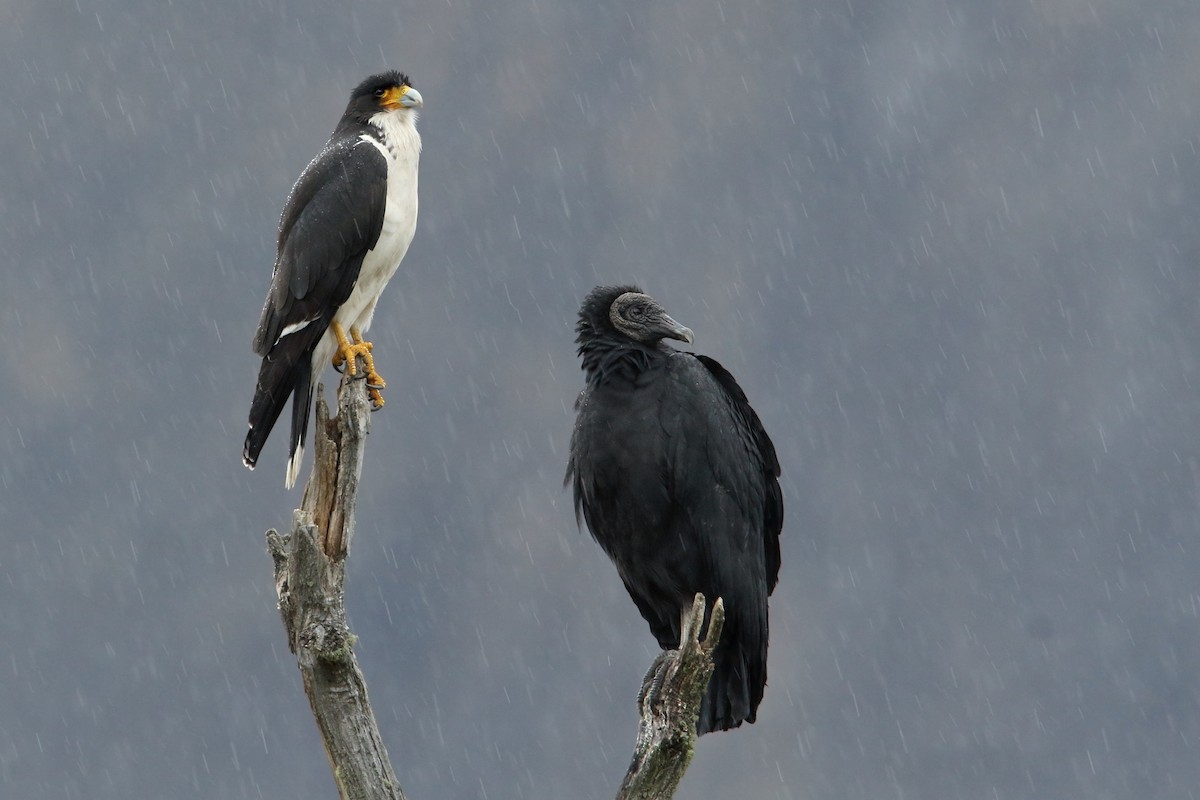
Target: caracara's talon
(376,381)
(376,398)
(346,359)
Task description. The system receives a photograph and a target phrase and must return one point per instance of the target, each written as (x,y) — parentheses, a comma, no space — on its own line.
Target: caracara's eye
(380,92)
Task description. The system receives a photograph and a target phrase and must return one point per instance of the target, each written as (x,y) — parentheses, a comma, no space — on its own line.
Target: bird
(345,227)
(678,483)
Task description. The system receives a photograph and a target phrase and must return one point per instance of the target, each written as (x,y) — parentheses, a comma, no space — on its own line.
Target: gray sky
(949,251)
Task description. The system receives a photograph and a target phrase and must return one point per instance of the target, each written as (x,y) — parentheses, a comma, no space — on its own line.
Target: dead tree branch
(309,575)
(670,705)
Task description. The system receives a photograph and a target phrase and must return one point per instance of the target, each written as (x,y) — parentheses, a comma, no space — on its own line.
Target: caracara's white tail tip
(293,467)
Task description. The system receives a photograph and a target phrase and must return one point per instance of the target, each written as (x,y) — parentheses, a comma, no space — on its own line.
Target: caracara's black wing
(333,217)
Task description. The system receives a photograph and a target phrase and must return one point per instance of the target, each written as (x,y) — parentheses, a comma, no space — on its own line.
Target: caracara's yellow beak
(401,97)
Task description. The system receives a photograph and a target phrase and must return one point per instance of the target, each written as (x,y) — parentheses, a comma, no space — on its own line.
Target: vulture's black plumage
(678,482)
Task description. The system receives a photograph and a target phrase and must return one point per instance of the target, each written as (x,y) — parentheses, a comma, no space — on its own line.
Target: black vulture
(678,483)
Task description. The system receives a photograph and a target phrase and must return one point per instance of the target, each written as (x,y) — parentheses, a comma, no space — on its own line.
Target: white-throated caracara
(346,226)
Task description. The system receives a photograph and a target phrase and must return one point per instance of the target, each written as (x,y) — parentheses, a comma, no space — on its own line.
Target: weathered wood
(670,705)
(309,576)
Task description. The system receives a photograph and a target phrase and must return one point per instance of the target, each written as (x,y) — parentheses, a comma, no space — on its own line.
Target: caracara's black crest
(382,81)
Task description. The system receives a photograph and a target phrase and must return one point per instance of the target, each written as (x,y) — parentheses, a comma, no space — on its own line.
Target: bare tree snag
(309,575)
(670,705)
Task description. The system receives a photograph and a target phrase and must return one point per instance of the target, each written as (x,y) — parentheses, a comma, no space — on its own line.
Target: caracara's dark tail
(740,673)
(285,372)
(271,393)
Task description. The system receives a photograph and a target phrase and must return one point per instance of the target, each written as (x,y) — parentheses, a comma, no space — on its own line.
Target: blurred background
(949,251)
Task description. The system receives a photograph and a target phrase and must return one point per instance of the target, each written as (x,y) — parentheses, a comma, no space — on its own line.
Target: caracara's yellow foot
(348,352)
(345,358)
(352,348)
